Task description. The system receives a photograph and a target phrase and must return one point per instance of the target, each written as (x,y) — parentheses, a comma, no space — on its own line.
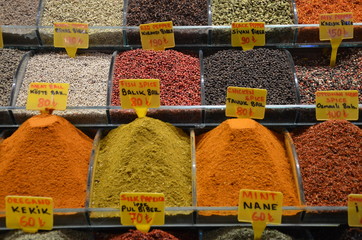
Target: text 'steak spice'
(330,159)
(242,154)
(47,156)
(146,155)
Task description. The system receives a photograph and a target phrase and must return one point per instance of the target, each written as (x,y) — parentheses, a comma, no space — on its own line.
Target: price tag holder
(142,210)
(245,102)
(157,36)
(337,105)
(71,36)
(260,208)
(29,213)
(335,27)
(139,94)
(1,38)
(47,96)
(247,34)
(355,210)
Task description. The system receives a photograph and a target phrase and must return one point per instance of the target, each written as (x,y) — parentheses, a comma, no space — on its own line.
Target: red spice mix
(330,157)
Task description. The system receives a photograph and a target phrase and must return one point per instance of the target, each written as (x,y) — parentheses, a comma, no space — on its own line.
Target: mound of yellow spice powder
(146,155)
(241,154)
(47,157)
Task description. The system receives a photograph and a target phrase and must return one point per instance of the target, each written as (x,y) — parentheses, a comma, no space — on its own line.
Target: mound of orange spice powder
(47,156)
(241,154)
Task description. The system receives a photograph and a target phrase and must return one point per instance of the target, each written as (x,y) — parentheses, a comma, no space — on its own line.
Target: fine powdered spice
(179,74)
(47,156)
(9,60)
(308,11)
(259,68)
(138,235)
(181,12)
(242,154)
(236,233)
(66,234)
(315,74)
(224,12)
(146,155)
(330,158)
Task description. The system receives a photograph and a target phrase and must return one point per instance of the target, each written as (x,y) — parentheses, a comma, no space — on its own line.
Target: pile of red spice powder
(179,74)
(330,158)
(138,235)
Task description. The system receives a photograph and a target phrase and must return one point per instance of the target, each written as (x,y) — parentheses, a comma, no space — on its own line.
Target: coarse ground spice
(46,156)
(181,12)
(315,74)
(179,74)
(66,234)
(242,154)
(237,233)
(87,75)
(224,12)
(330,159)
(138,235)
(309,11)
(259,68)
(146,155)
(9,61)
(19,12)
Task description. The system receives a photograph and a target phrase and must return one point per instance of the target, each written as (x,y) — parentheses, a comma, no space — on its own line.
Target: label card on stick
(260,208)
(47,96)
(139,94)
(157,36)
(1,38)
(247,34)
(142,210)
(335,27)
(71,36)
(337,105)
(355,210)
(245,102)
(29,213)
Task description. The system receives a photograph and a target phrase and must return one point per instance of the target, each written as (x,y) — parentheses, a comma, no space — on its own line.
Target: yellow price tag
(245,102)
(47,96)
(71,36)
(29,213)
(247,34)
(1,38)
(142,210)
(337,105)
(355,210)
(260,208)
(335,27)
(157,36)
(139,94)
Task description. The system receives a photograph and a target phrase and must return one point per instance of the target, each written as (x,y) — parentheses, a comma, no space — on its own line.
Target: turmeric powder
(241,154)
(47,156)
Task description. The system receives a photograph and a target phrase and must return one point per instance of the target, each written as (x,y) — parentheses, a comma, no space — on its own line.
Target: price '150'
(337,32)
(73,40)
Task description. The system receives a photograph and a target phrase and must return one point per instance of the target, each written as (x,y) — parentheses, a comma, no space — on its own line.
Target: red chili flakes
(179,74)
(330,157)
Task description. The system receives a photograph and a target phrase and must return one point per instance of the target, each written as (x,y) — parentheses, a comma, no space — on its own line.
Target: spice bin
(110,216)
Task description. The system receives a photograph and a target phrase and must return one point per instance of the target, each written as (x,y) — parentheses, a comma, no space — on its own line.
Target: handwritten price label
(355,210)
(139,94)
(247,35)
(1,38)
(29,213)
(47,96)
(157,36)
(71,36)
(245,102)
(260,208)
(142,210)
(337,105)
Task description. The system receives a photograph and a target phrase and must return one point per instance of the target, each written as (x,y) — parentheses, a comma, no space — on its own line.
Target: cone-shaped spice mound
(242,154)
(47,156)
